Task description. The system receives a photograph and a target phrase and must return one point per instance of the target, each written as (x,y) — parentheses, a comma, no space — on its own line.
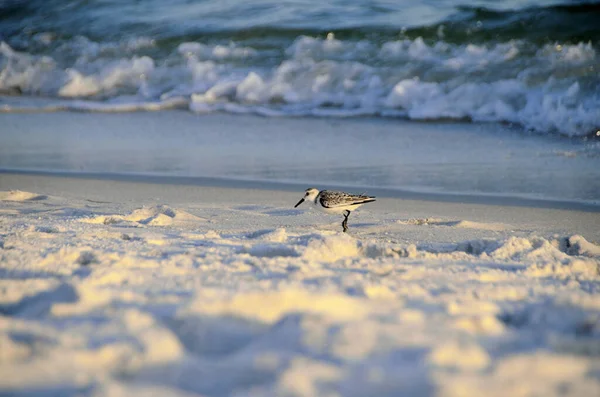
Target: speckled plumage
(332,199)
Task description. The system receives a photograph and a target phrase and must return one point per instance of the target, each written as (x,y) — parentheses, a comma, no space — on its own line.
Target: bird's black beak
(299,202)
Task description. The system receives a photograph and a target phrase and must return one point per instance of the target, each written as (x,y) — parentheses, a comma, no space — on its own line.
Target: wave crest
(552,88)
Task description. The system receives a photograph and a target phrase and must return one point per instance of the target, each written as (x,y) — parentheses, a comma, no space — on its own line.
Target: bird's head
(310,194)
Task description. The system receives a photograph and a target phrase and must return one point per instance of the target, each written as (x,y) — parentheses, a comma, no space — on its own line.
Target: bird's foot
(345,221)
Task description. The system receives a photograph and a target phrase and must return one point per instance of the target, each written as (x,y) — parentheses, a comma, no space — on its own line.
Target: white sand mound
(331,248)
(159,215)
(546,257)
(274,305)
(278,235)
(516,247)
(572,256)
(17,195)
(539,373)
(104,219)
(480,225)
(454,355)
(577,245)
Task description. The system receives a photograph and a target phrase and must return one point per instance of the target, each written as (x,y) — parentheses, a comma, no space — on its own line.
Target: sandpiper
(335,202)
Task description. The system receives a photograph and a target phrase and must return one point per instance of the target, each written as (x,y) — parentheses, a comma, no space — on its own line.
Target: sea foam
(549,89)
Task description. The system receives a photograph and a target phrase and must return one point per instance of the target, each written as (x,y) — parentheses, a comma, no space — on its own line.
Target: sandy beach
(112,288)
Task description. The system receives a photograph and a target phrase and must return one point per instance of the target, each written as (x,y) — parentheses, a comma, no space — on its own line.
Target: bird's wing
(331,199)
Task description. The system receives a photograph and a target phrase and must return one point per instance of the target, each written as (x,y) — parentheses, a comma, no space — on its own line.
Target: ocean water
(534,64)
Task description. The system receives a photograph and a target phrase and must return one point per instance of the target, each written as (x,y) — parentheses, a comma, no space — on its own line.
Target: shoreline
(404,159)
(397,193)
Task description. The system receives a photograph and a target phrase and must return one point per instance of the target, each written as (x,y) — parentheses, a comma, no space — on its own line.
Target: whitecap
(551,89)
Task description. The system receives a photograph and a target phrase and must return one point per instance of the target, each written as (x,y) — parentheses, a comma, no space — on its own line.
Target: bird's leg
(345,221)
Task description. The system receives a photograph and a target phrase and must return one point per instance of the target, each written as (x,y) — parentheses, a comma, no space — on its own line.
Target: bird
(333,202)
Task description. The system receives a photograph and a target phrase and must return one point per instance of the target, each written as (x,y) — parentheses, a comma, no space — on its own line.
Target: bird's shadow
(363,224)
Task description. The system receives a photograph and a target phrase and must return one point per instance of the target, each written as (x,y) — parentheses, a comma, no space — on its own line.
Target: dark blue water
(180,20)
(529,63)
